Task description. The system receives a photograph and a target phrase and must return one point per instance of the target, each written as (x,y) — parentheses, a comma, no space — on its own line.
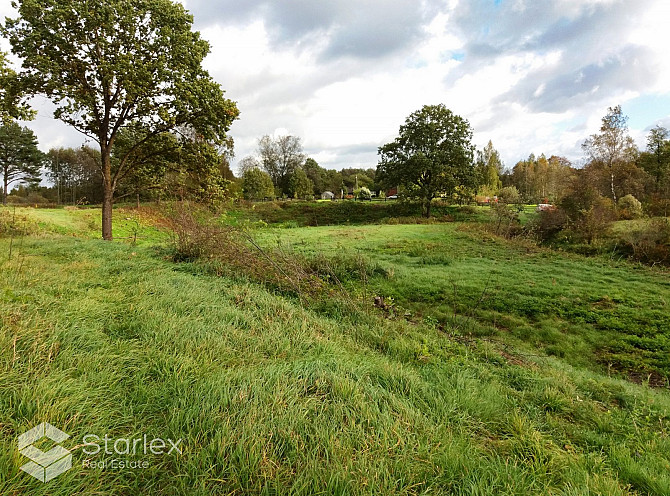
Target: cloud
(563,88)
(345,28)
(344,74)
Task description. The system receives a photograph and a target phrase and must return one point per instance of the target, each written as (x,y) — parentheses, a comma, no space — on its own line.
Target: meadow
(491,367)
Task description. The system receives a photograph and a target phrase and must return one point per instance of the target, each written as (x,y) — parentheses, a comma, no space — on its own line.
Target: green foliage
(12,97)
(589,215)
(280,157)
(349,212)
(629,207)
(20,159)
(143,66)
(76,174)
(656,159)
(257,185)
(612,150)
(542,180)
(363,193)
(648,242)
(488,168)
(431,156)
(506,212)
(13,224)
(300,186)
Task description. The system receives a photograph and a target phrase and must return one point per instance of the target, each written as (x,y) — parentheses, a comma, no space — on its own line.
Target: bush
(200,236)
(549,224)
(363,193)
(650,243)
(588,213)
(506,212)
(593,223)
(510,196)
(629,208)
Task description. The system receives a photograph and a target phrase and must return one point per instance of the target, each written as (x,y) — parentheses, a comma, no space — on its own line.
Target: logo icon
(45,466)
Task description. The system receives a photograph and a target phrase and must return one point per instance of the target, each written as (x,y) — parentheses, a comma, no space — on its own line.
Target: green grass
(592,312)
(128,224)
(273,398)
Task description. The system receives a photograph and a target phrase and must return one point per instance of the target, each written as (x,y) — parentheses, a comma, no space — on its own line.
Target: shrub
(363,193)
(506,212)
(588,213)
(510,196)
(650,243)
(594,222)
(549,224)
(629,208)
(200,236)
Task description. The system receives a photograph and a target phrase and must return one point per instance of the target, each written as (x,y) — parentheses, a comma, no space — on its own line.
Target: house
(327,195)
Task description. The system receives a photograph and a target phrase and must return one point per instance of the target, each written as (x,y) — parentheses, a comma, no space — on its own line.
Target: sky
(532,76)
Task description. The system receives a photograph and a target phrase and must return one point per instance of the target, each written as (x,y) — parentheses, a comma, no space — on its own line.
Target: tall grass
(271,397)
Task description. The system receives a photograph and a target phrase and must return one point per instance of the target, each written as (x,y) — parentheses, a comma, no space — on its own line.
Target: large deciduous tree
(20,159)
(108,65)
(257,184)
(280,157)
(432,155)
(613,148)
(299,185)
(12,103)
(656,159)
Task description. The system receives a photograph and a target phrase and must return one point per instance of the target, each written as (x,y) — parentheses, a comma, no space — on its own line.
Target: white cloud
(343,75)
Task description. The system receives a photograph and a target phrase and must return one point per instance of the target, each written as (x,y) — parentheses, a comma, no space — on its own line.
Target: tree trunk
(4,191)
(107,194)
(138,201)
(612,186)
(426,207)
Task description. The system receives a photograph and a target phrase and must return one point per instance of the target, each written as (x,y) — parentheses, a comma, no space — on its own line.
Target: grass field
(606,315)
(271,397)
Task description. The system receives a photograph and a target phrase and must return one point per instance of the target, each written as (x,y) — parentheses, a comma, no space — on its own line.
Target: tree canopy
(75,174)
(656,159)
(280,157)
(12,98)
(432,155)
(20,159)
(257,184)
(489,168)
(108,65)
(613,148)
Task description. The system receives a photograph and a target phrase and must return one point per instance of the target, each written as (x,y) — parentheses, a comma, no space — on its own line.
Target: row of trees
(614,167)
(172,165)
(130,78)
(281,169)
(433,156)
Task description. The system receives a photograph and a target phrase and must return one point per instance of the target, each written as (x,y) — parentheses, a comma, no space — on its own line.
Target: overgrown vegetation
(270,396)
(596,313)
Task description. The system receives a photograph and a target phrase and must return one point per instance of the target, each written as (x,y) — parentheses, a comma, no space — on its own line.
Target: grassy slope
(86,222)
(589,311)
(271,398)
